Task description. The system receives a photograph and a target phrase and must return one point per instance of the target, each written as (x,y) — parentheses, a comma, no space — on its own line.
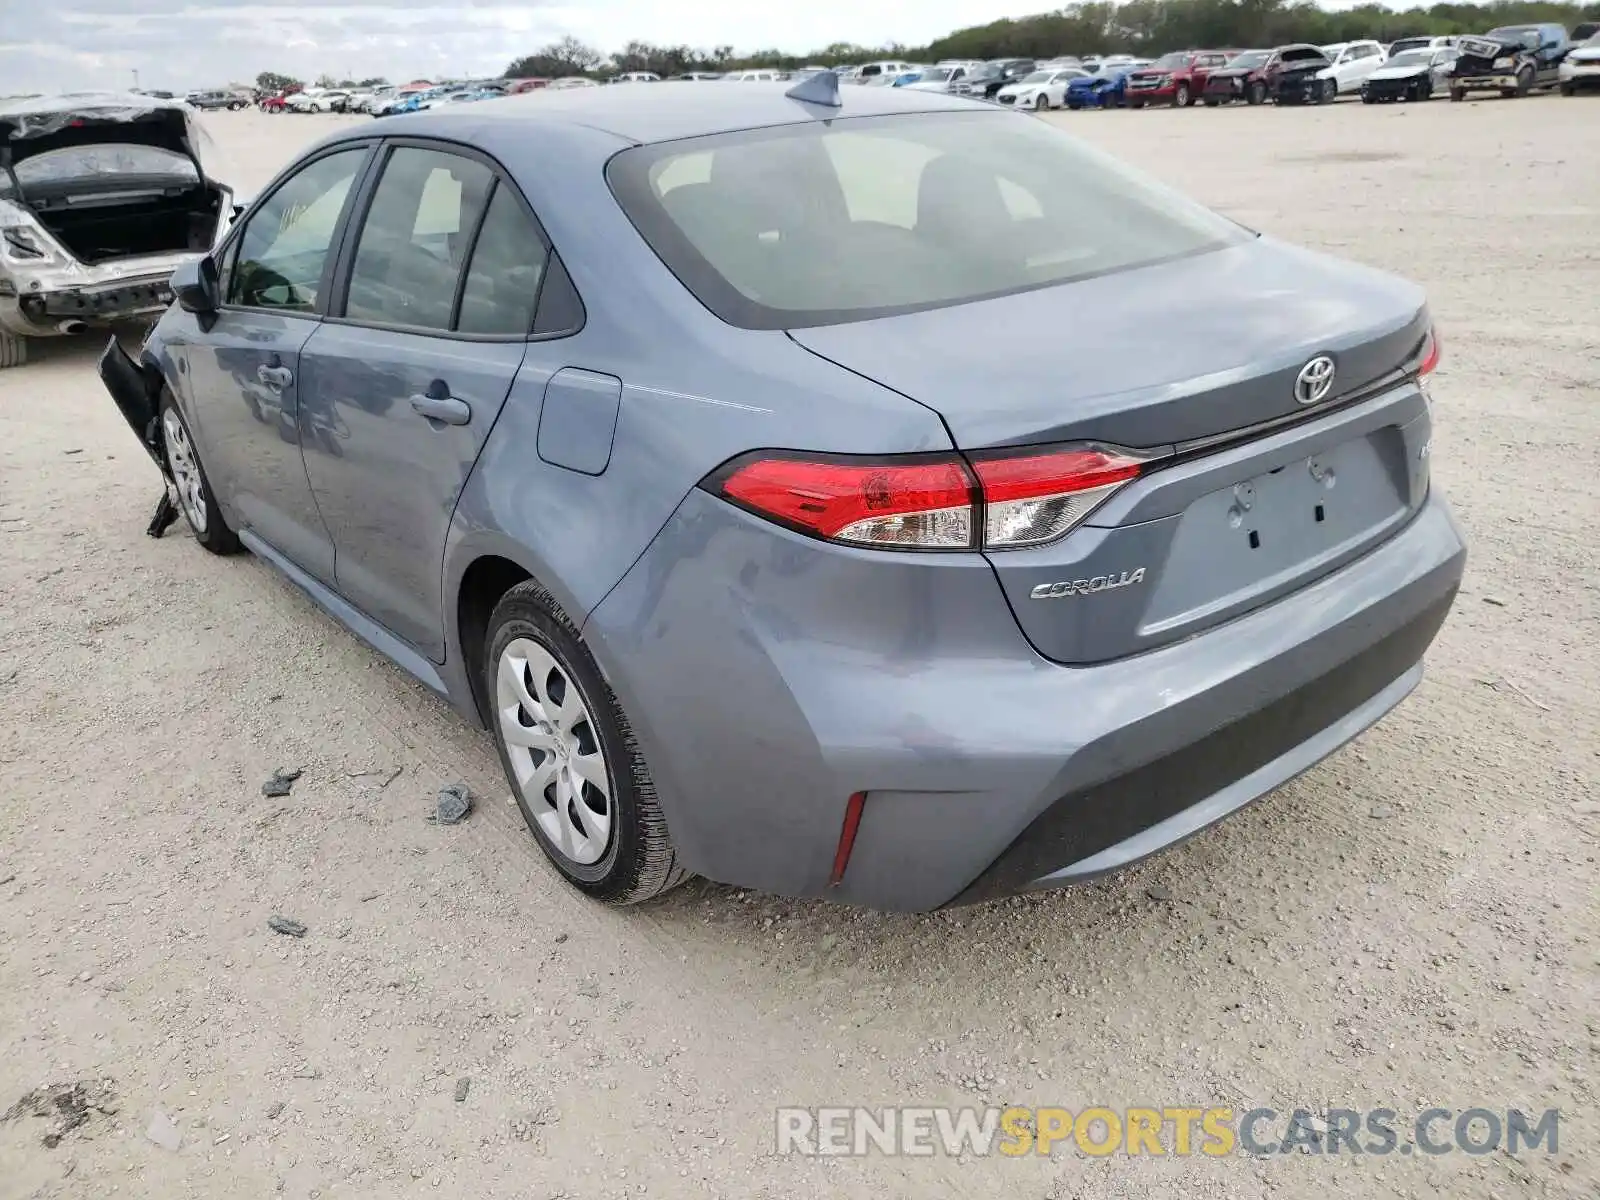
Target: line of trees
(272,81)
(1145,27)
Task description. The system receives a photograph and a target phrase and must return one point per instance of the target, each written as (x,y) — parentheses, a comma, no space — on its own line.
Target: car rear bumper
(42,312)
(769,677)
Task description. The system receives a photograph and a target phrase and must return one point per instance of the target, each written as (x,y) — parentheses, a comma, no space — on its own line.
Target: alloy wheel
(185,471)
(553,745)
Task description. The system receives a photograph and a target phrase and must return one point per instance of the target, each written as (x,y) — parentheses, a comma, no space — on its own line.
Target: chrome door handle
(445,409)
(275,377)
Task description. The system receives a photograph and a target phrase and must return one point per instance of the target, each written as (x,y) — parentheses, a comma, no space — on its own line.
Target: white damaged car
(102,198)
(1581,67)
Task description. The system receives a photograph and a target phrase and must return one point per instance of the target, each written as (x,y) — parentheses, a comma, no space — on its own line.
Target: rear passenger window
(413,242)
(502,286)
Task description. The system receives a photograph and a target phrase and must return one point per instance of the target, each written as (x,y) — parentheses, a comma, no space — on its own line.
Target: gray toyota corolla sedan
(885,498)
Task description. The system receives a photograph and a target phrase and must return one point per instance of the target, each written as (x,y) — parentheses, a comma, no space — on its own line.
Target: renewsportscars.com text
(1177,1131)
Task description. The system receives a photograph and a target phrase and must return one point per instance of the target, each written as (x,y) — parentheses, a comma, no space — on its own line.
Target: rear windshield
(825,223)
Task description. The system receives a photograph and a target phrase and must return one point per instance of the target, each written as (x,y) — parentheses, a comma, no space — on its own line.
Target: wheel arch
(483,582)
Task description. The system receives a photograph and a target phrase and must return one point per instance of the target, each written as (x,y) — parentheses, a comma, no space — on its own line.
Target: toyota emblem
(1315,380)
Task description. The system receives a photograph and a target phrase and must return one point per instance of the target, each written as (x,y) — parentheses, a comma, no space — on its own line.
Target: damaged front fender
(136,389)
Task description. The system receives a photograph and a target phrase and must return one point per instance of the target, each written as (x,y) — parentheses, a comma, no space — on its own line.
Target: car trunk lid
(1253,493)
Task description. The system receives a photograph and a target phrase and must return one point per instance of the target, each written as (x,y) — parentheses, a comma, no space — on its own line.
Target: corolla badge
(1087,587)
(1315,380)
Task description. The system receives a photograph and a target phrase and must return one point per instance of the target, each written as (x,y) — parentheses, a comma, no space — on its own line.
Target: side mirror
(195,286)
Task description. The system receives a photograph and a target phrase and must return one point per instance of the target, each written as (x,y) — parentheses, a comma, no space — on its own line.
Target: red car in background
(1177,79)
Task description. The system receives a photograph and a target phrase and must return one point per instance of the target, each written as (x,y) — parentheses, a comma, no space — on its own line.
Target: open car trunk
(111,177)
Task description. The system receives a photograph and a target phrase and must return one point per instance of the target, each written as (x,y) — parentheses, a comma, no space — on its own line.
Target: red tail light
(1430,353)
(1002,499)
(923,503)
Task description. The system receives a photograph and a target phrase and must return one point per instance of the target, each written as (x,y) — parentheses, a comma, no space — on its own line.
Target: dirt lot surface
(1413,924)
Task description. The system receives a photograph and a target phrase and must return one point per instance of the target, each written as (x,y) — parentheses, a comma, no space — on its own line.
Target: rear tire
(1212,102)
(196,500)
(13,349)
(568,702)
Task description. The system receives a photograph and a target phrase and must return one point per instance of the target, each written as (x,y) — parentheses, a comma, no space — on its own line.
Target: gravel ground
(1411,924)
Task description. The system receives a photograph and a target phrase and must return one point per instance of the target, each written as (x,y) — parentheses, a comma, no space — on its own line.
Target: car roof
(670,113)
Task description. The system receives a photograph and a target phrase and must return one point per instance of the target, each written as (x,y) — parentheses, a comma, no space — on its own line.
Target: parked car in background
(1105,87)
(102,197)
(1580,69)
(1511,60)
(998,566)
(1350,64)
(1242,77)
(755,75)
(1400,45)
(1410,75)
(877,74)
(274,102)
(987,79)
(1177,79)
(1299,76)
(1041,89)
(320,101)
(939,79)
(637,77)
(232,101)
(572,81)
(515,87)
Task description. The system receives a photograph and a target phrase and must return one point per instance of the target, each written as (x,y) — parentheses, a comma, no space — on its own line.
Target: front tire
(1182,98)
(195,498)
(1524,81)
(1041,103)
(1257,93)
(568,752)
(1328,93)
(1457,95)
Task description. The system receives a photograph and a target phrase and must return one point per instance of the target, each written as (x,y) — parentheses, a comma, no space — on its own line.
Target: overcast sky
(65,45)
